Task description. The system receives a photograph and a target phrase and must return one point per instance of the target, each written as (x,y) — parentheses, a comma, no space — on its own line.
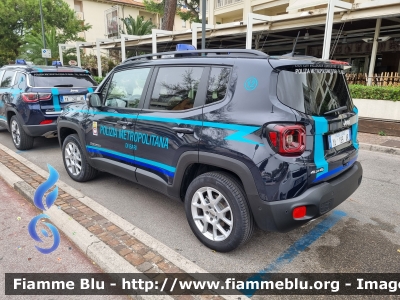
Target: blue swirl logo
(38,201)
(251,84)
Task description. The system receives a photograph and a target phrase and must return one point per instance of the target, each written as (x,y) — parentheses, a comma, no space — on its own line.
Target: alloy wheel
(73,159)
(212,214)
(15,132)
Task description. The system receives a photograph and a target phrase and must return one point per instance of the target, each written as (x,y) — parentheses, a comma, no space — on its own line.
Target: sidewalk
(375,142)
(115,245)
(18,252)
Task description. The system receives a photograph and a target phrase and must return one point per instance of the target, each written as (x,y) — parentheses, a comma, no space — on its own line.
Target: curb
(379,148)
(93,247)
(66,217)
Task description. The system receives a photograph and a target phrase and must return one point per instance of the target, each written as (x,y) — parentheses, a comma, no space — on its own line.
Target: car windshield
(314,91)
(62,80)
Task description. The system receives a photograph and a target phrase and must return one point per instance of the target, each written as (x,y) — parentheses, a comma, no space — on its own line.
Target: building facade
(105,17)
(352,38)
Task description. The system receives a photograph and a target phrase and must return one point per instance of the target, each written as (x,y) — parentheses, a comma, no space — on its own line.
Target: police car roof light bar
(196,53)
(20,62)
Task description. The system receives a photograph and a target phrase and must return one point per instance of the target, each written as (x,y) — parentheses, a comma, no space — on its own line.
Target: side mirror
(94,100)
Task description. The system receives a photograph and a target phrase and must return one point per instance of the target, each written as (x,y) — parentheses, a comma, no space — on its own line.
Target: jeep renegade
(242,138)
(32,97)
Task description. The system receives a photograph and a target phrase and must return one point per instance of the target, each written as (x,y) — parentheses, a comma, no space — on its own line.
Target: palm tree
(138,26)
(33,45)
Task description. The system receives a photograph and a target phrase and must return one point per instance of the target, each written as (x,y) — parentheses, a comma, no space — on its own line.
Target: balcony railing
(223,3)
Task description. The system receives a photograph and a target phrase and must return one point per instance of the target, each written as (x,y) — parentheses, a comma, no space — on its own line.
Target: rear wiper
(335,110)
(64,85)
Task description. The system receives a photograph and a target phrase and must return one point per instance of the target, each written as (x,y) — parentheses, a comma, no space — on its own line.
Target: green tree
(169,15)
(189,10)
(138,26)
(156,8)
(20,17)
(33,45)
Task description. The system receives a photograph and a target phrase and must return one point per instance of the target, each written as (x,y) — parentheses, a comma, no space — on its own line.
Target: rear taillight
(30,97)
(44,96)
(287,140)
(35,97)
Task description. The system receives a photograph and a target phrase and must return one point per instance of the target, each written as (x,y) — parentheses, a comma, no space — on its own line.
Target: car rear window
(62,79)
(313,91)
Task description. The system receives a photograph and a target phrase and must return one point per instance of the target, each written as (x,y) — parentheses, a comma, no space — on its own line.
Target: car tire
(221,225)
(75,161)
(21,140)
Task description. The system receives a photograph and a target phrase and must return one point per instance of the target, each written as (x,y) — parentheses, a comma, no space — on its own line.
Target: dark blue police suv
(32,98)
(242,138)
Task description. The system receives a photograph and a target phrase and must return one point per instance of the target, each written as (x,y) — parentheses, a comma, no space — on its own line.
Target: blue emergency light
(56,63)
(20,62)
(183,47)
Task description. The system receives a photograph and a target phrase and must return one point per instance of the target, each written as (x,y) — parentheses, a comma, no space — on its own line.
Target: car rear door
(319,96)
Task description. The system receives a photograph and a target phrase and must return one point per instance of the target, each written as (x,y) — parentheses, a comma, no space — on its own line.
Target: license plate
(74,98)
(339,138)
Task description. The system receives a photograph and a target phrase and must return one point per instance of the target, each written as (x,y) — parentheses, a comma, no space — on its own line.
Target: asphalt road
(361,235)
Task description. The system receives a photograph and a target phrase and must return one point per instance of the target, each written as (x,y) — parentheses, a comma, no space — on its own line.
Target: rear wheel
(21,140)
(75,161)
(217,211)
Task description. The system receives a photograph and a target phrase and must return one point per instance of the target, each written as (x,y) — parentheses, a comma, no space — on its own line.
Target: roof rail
(197,53)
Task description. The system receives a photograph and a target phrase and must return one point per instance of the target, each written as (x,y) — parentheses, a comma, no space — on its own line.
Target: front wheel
(217,211)
(75,161)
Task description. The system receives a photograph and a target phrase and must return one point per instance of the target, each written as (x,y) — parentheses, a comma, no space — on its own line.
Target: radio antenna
(294,46)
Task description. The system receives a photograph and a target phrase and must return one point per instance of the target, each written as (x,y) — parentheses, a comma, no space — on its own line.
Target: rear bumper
(49,130)
(319,199)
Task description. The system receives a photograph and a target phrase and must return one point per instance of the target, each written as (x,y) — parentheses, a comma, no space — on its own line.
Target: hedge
(98,79)
(375,92)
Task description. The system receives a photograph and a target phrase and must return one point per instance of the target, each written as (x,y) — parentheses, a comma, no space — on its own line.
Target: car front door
(169,124)
(111,140)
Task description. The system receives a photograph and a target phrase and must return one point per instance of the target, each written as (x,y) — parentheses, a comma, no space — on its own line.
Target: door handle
(125,123)
(183,130)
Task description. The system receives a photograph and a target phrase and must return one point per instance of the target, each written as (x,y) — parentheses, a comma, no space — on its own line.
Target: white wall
(379,109)
(94,15)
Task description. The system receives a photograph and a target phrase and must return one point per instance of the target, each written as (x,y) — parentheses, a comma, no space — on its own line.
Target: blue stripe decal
(3,118)
(239,136)
(90,90)
(56,99)
(295,249)
(320,127)
(39,70)
(334,171)
(168,170)
(354,130)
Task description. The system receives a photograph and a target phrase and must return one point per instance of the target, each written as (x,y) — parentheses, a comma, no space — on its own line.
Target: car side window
(7,79)
(20,81)
(217,84)
(175,88)
(126,88)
